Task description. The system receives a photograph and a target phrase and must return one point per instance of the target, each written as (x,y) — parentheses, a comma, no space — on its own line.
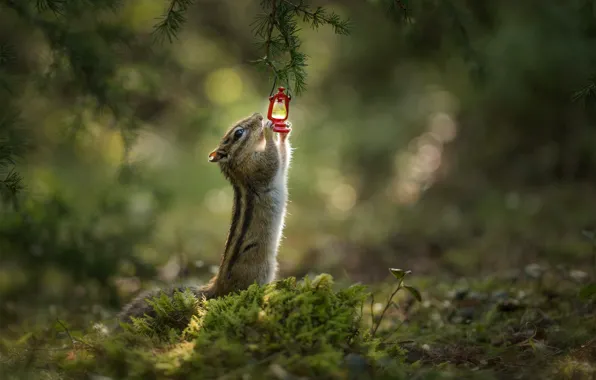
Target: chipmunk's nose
(217,155)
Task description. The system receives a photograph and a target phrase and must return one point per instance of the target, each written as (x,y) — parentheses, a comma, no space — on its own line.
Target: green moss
(468,329)
(304,328)
(172,315)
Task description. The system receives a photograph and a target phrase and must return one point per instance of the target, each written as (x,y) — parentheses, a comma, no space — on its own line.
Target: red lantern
(279,109)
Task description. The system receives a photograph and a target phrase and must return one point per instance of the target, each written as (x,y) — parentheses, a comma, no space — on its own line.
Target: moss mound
(305,329)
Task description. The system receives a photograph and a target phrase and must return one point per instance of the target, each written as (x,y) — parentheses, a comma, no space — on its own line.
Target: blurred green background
(460,143)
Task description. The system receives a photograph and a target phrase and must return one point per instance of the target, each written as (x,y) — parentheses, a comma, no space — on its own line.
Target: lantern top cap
(280,95)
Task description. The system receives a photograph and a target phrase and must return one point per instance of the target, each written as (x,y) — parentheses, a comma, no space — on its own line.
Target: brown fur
(256,165)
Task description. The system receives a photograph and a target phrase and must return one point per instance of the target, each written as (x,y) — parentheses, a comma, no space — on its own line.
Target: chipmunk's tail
(139,307)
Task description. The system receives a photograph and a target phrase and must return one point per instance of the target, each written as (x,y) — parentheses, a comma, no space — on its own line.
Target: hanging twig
(270,31)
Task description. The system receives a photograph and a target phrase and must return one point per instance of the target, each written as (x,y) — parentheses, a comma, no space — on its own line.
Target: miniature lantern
(279,109)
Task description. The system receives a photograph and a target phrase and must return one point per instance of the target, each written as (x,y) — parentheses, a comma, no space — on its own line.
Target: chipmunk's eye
(238,134)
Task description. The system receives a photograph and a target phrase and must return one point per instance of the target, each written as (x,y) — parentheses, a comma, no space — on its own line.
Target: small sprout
(399,273)
(414,292)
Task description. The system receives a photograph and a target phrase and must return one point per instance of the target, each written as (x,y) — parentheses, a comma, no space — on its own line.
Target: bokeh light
(223,86)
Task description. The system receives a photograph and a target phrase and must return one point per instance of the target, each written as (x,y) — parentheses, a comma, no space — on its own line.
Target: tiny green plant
(400,275)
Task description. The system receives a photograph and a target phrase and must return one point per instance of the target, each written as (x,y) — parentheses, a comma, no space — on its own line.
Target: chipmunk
(256,164)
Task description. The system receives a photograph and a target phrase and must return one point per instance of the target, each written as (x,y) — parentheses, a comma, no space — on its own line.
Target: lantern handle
(287,87)
(273,88)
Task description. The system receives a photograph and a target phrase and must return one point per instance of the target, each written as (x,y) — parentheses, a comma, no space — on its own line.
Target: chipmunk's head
(239,143)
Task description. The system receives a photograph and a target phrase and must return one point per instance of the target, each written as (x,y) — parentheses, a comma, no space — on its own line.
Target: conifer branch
(172,21)
(87,64)
(89,67)
(320,17)
(10,186)
(278,31)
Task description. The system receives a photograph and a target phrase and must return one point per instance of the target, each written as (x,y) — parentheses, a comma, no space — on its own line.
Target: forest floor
(536,323)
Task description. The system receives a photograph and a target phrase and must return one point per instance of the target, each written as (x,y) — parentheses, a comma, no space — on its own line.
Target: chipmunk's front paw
(268,130)
(284,136)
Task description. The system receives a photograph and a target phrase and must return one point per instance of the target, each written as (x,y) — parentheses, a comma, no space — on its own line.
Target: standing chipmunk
(256,165)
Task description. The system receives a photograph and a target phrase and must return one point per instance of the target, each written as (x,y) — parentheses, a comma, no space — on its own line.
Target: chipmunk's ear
(217,155)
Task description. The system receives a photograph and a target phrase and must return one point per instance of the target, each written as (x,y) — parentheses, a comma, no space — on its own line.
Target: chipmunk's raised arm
(284,148)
